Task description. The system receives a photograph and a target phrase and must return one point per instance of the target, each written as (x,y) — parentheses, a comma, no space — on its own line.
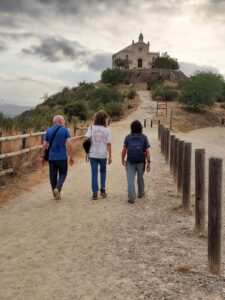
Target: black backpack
(135,150)
(87,146)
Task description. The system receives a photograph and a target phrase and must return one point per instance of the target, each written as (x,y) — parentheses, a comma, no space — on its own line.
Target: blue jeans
(57,173)
(94,169)
(132,169)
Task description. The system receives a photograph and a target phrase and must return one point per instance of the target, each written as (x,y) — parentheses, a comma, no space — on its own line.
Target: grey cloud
(57,49)
(17,36)
(66,6)
(99,62)
(3,47)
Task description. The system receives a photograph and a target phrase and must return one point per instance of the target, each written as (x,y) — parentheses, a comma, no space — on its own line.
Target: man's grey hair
(57,119)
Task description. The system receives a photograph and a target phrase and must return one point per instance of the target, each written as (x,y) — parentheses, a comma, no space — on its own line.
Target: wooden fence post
(164,142)
(162,139)
(186,198)
(172,140)
(159,130)
(24,141)
(144,123)
(74,130)
(167,144)
(0,151)
(214,214)
(175,159)
(180,166)
(200,190)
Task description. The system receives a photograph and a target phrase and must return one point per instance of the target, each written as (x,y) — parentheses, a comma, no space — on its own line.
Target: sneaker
(56,194)
(131,200)
(95,196)
(103,194)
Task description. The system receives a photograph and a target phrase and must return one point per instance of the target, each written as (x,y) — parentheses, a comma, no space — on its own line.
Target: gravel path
(106,249)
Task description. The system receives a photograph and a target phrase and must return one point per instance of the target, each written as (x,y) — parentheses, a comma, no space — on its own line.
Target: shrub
(78,109)
(112,76)
(153,81)
(114,109)
(131,94)
(166,62)
(165,93)
(127,81)
(201,90)
(103,95)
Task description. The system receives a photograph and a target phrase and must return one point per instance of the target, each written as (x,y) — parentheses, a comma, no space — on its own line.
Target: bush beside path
(105,249)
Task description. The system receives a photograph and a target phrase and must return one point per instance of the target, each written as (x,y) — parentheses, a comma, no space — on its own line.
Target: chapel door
(139,63)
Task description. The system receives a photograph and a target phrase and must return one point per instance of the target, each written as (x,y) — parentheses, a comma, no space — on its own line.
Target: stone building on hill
(137,55)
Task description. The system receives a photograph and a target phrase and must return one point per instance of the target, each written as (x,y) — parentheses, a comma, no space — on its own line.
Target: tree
(78,109)
(165,93)
(123,63)
(112,76)
(165,62)
(201,90)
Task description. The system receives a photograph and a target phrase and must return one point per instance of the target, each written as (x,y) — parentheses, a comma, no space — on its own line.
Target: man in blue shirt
(58,160)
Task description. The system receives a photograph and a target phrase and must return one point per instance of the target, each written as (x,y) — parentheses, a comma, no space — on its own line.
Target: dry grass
(184,120)
(183,269)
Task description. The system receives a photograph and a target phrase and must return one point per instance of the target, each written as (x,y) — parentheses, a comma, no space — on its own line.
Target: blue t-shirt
(58,148)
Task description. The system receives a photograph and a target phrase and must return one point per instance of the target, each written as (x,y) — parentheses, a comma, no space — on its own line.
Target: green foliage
(221,98)
(165,62)
(164,93)
(77,109)
(201,90)
(114,109)
(153,81)
(112,76)
(101,96)
(131,94)
(6,123)
(123,63)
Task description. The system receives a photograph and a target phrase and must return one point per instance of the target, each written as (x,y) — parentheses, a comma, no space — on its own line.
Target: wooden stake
(214,214)
(200,190)
(186,199)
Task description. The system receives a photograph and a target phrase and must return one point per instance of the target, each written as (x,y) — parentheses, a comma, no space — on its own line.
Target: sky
(46,45)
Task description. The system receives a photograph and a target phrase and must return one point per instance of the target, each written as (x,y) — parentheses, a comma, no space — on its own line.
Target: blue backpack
(135,150)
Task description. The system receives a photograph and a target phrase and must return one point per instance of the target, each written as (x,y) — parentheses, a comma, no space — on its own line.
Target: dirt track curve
(106,249)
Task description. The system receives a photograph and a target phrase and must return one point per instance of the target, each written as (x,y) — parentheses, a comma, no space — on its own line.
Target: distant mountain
(11,110)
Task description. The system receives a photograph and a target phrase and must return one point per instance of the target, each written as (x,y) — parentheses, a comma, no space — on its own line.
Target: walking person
(57,141)
(134,154)
(100,151)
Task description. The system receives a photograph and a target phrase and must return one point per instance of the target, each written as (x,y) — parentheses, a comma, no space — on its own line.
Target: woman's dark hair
(100,118)
(136,127)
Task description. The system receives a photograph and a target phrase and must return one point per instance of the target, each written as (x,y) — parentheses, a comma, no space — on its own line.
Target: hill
(12,110)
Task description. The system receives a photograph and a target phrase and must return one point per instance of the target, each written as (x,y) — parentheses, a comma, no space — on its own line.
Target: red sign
(162,105)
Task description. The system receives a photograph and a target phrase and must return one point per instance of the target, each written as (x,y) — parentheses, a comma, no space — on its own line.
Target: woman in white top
(100,150)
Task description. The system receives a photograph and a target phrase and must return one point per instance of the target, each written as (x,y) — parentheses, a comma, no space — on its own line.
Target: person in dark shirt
(136,151)
(58,158)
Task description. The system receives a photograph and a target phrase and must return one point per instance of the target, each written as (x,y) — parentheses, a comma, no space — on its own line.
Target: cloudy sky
(48,44)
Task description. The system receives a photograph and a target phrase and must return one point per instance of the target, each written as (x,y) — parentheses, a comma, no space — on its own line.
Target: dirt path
(105,249)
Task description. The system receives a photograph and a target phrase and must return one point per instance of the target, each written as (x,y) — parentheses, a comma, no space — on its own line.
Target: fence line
(180,168)
(25,149)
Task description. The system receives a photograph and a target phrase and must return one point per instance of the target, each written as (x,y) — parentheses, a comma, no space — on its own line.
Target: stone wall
(142,75)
